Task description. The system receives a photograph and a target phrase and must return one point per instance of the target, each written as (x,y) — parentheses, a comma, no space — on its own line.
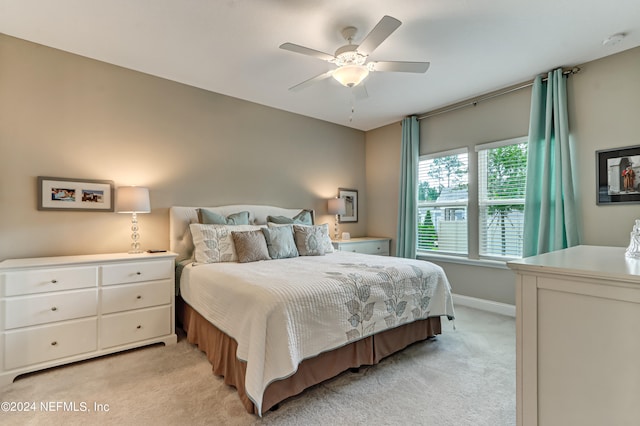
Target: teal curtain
(550,214)
(407,208)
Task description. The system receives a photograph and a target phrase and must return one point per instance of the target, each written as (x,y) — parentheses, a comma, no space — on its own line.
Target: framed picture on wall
(351,205)
(618,175)
(75,194)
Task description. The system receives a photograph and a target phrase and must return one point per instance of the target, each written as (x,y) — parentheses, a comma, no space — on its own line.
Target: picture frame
(618,176)
(67,194)
(351,202)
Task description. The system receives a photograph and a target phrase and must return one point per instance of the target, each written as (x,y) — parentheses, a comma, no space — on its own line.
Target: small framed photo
(618,175)
(351,205)
(75,194)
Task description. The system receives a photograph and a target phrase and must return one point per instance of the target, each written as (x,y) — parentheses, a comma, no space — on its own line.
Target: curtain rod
(475,101)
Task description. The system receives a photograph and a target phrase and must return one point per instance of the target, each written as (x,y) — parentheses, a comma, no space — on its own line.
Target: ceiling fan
(351,59)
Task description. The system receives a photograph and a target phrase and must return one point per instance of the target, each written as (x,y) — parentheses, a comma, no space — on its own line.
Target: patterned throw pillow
(214,243)
(310,240)
(280,242)
(326,238)
(251,246)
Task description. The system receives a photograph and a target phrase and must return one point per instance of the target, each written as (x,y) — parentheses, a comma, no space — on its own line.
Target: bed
(273,328)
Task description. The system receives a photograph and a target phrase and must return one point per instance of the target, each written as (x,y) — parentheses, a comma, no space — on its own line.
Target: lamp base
(135,245)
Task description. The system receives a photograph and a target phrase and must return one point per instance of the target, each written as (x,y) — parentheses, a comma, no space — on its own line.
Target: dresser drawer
(135,296)
(373,247)
(46,343)
(133,326)
(45,280)
(136,272)
(44,308)
(380,247)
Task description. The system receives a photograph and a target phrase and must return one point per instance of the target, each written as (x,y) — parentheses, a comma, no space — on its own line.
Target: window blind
(502,170)
(442,202)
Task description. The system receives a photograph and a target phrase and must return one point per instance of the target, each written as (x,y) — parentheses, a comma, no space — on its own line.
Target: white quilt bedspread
(283,311)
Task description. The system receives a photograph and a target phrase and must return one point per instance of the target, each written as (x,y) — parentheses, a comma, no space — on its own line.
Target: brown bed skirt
(221,352)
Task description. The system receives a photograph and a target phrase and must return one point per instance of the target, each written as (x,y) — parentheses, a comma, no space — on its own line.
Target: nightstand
(63,309)
(366,245)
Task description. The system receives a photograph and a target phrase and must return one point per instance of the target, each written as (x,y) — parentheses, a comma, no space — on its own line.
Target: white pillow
(214,243)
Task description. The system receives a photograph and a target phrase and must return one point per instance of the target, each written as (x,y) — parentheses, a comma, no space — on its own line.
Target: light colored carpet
(464,377)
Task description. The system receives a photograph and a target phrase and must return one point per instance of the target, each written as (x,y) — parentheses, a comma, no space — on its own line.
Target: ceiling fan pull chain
(353,108)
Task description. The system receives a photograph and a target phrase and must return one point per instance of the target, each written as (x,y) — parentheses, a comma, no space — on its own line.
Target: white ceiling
(231,46)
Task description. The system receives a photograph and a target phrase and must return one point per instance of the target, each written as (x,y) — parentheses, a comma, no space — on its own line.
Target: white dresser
(57,310)
(367,245)
(578,338)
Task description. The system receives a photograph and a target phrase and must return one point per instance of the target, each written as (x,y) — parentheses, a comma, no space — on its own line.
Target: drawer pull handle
(54,343)
(138,273)
(53,308)
(138,297)
(54,281)
(139,327)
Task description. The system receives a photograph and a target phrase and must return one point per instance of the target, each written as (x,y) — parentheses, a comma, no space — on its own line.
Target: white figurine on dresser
(578,337)
(634,244)
(57,310)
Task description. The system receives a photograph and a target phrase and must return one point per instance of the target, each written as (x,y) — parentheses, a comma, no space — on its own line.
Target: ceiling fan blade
(310,81)
(306,51)
(391,66)
(378,34)
(360,91)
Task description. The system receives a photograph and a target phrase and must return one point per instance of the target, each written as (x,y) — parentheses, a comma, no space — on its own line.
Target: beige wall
(604,107)
(604,113)
(63,115)
(383,181)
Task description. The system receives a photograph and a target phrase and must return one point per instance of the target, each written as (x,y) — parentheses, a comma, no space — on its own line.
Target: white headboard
(180,241)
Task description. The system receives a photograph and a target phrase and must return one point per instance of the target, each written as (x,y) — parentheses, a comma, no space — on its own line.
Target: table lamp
(337,206)
(134,200)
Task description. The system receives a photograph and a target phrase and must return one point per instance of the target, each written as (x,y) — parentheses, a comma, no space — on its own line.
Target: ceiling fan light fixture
(351,75)
(347,55)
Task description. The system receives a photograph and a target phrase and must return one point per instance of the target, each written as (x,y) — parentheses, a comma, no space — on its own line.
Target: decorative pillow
(187,242)
(326,239)
(212,218)
(311,240)
(251,246)
(328,246)
(214,243)
(280,242)
(303,218)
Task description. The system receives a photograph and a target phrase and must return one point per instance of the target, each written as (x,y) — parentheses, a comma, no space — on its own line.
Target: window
(502,171)
(494,226)
(442,202)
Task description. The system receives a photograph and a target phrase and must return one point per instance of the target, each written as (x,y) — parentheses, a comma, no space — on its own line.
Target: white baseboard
(485,305)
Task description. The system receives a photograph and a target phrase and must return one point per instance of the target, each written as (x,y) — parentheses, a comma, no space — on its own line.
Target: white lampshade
(337,206)
(133,199)
(351,75)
